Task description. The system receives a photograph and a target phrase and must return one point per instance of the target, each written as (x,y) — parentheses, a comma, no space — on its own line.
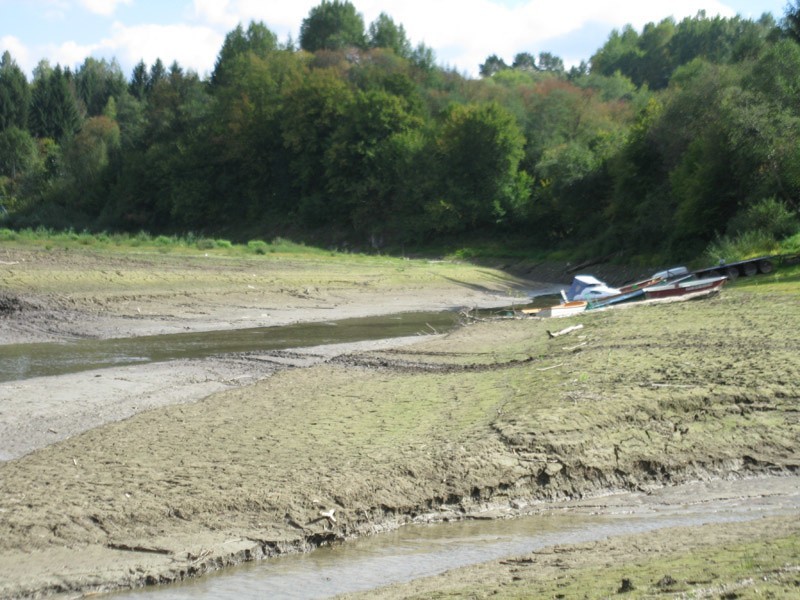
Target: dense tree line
(664,139)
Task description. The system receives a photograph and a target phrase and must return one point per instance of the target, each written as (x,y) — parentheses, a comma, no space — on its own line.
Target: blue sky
(461,32)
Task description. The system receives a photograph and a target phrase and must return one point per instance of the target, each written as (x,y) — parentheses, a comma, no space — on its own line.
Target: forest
(665,141)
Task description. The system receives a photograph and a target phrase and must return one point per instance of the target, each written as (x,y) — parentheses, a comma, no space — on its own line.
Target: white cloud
(216,13)
(102,7)
(464,32)
(194,47)
(69,54)
(16,48)
(281,17)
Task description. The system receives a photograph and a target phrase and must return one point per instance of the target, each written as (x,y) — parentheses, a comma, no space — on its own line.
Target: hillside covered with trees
(662,141)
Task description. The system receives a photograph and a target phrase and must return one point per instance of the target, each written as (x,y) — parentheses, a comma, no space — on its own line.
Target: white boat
(588,287)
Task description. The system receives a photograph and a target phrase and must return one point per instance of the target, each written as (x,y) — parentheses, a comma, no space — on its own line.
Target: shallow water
(423,550)
(23,361)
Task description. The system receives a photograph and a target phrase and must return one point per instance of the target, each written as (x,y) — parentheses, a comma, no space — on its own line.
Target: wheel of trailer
(765,266)
(732,273)
(749,269)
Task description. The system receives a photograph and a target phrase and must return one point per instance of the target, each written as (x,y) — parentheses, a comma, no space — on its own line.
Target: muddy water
(23,361)
(418,551)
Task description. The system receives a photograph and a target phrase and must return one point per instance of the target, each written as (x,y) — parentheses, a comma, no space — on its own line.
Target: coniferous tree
(54,108)
(138,84)
(385,33)
(96,81)
(157,74)
(15,94)
(791,21)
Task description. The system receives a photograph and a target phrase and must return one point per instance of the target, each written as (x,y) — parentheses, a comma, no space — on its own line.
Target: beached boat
(636,291)
(684,286)
(588,287)
(565,309)
(598,293)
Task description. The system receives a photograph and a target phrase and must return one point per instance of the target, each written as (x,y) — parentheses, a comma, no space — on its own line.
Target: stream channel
(417,551)
(24,361)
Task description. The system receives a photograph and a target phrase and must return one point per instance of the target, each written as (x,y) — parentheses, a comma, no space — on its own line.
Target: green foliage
(54,109)
(478,149)
(15,94)
(769,216)
(673,138)
(742,246)
(92,148)
(96,81)
(18,152)
(651,57)
(257,246)
(791,21)
(385,33)
(257,40)
(493,65)
(332,25)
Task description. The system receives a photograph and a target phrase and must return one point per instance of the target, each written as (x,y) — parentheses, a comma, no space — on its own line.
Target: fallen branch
(554,334)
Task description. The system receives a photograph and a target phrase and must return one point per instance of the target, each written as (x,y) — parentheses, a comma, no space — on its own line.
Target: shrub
(164,240)
(746,245)
(257,246)
(86,239)
(769,216)
(205,244)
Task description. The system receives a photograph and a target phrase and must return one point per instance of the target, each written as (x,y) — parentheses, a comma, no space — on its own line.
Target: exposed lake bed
(247,459)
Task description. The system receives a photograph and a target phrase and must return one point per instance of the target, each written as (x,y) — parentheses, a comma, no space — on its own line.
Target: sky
(462,33)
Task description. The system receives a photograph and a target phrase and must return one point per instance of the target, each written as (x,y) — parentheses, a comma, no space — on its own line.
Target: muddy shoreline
(150,474)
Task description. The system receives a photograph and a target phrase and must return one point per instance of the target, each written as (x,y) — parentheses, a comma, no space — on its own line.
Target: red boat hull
(682,288)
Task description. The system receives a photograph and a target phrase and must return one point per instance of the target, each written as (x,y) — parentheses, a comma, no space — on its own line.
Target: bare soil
(153,474)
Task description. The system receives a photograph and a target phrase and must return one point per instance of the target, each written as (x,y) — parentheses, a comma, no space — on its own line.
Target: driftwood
(553,334)
(325,515)
(553,367)
(576,347)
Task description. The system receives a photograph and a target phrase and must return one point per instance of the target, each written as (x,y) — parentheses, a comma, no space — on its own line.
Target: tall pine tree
(15,95)
(54,108)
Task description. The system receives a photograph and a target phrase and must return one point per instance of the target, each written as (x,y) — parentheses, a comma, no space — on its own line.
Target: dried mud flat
(494,416)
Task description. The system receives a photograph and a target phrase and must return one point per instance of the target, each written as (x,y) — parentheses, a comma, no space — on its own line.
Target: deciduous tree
(332,25)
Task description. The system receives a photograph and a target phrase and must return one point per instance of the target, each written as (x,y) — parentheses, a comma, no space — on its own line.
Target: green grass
(143,241)
(758,569)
